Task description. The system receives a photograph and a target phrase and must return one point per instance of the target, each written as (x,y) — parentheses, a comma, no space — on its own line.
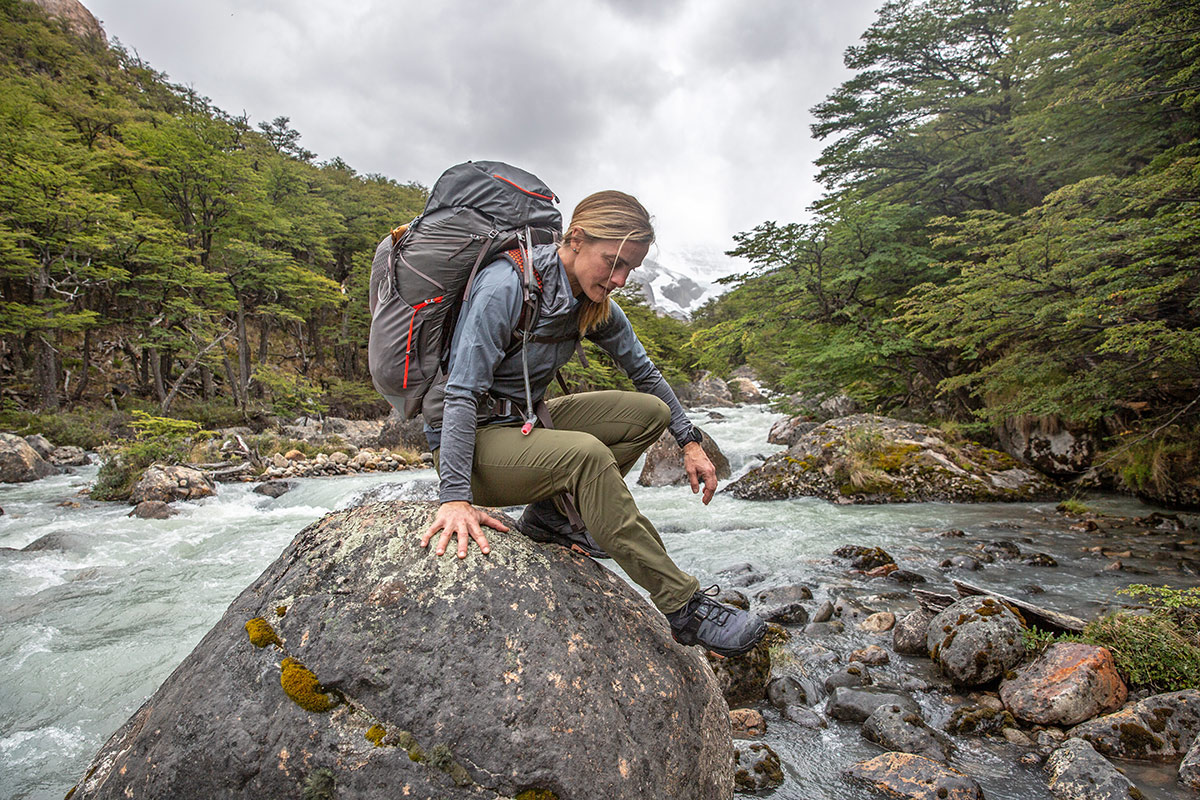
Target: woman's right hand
(460,519)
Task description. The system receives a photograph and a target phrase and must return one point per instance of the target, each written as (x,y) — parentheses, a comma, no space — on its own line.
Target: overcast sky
(698,107)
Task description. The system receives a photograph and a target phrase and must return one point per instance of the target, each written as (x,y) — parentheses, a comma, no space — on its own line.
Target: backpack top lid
(508,195)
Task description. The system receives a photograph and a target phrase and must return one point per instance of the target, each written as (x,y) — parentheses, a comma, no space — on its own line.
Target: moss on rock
(300,684)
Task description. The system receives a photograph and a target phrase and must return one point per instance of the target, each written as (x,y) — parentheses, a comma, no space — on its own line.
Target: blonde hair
(608,215)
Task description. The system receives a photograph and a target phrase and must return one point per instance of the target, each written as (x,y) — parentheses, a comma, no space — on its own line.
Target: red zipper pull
(527,427)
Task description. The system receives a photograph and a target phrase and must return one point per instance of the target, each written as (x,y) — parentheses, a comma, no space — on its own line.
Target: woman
(490,459)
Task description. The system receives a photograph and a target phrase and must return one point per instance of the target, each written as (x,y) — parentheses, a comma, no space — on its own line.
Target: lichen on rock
(261,633)
(301,684)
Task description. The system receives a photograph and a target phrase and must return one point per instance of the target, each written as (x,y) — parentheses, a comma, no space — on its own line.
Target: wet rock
(20,463)
(664,462)
(1078,772)
(274,488)
(1189,768)
(707,391)
(863,557)
(69,456)
(171,483)
(747,723)
(1016,736)
(894,728)
(66,542)
(1161,727)
(340,458)
(953,533)
(976,640)
(743,679)
(733,597)
(912,463)
(904,776)
(871,654)
(1068,683)
(357,585)
(788,431)
(824,612)
(961,562)
(979,720)
(911,632)
(833,626)
(1039,560)
(792,593)
(906,576)
(805,717)
(786,691)
(880,622)
(850,675)
(851,611)
(756,768)
(153,509)
(857,703)
(788,614)
(1001,549)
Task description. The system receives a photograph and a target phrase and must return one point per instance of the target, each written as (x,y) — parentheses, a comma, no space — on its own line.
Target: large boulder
(1049,444)
(1078,772)
(69,456)
(406,434)
(364,661)
(1189,767)
(745,390)
(706,391)
(20,463)
(1161,727)
(905,776)
(867,458)
(168,483)
(664,462)
(789,430)
(858,703)
(1065,685)
(976,640)
(40,444)
(904,731)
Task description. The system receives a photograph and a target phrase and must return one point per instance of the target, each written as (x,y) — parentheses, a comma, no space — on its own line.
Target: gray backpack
(423,270)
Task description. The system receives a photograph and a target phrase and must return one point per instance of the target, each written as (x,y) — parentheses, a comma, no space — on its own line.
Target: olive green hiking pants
(596,439)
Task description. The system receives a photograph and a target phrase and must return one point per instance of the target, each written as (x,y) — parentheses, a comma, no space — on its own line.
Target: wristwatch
(695,436)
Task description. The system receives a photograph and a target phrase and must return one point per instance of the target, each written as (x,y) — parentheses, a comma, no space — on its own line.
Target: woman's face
(601,265)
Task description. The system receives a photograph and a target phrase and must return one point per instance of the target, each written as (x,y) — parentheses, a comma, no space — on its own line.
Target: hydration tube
(530,417)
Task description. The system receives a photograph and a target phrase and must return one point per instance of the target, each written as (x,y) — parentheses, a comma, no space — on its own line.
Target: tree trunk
(243,344)
(314,336)
(178,384)
(85,372)
(155,359)
(234,385)
(144,372)
(207,389)
(264,338)
(45,365)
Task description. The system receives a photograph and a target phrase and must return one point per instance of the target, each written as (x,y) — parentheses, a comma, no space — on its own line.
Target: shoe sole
(727,653)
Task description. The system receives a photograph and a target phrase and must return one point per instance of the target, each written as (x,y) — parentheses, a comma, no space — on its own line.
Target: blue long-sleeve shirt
(479,370)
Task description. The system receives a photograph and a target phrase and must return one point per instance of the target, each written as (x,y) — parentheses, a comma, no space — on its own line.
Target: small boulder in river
(707,391)
(664,462)
(976,640)
(1160,728)
(1067,684)
(153,509)
(756,768)
(866,458)
(905,776)
(528,669)
(1078,772)
(20,463)
(171,483)
(898,729)
(274,489)
(743,679)
(863,557)
(857,703)
(911,632)
(788,431)
(69,456)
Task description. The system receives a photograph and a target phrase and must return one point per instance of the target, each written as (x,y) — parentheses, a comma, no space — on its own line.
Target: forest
(1010,230)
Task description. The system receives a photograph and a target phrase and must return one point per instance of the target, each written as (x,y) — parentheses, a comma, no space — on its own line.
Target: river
(90,628)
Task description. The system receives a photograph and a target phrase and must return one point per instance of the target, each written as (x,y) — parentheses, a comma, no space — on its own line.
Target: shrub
(1149,649)
(88,429)
(354,400)
(156,439)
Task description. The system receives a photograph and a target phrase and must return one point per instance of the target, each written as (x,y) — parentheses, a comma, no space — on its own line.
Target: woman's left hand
(700,470)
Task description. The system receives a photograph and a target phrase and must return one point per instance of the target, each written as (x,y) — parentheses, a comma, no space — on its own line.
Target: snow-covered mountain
(677,282)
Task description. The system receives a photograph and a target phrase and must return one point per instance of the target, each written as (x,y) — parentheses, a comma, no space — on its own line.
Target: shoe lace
(708,608)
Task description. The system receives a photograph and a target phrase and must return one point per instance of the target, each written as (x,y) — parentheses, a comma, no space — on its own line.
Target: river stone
(863,557)
(20,463)
(897,729)
(747,723)
(40,444)
(857,703)
(854,674)
(908,463)
(1189,768)
(1078,772)
(905,776)
(788,614)
(1067,684)
(979,720)
(777,595)
(171,483)
(706,391)
(786,691)
(528,662)
(664,462)
(805,717)
(824,612)
(153,509)
(756,768)
(976,640)
(63,541)
(880,622)
(1160,728)
(872,654)
(743,679)
(745,390)
(732,597)
(274,488)
(70,456)
(788,431)
(911,631)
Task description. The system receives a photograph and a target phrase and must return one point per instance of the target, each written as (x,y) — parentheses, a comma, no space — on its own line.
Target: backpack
(422,271)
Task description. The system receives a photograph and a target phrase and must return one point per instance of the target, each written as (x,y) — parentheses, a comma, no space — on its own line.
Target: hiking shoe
(543,522)
(725,630)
